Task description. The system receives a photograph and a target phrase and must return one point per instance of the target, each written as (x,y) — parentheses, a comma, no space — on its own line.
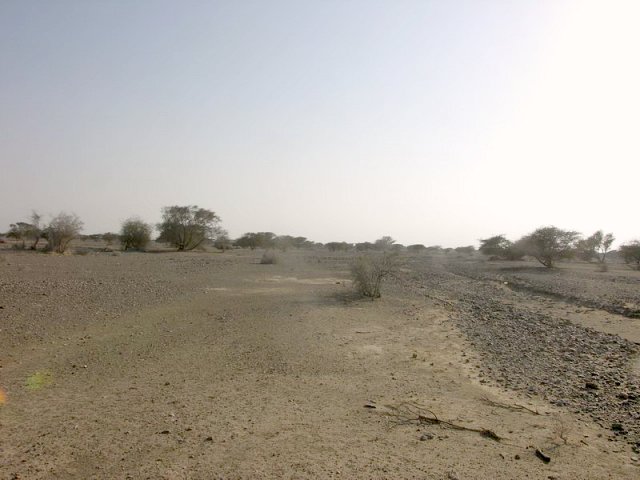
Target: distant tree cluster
(549,245)
(339,246)
(269,240)
(58,233)
(189,227)
(23,232)
(630,253)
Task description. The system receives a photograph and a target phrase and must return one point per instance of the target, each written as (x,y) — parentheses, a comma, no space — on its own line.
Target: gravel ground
(209,365)
(616,291)
(571,366)
(66,290)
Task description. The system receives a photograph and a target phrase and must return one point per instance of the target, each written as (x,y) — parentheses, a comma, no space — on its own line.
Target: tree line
(189,227)
(548,245)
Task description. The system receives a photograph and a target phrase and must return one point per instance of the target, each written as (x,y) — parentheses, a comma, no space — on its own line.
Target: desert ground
(209,365)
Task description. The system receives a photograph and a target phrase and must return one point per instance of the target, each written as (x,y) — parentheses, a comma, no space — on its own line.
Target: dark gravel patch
(571,366)
(611,292)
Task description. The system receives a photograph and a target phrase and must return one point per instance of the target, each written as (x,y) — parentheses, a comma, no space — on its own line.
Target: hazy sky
(435,122)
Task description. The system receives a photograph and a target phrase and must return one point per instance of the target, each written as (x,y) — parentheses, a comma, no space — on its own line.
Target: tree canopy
(186,227)
(550,244)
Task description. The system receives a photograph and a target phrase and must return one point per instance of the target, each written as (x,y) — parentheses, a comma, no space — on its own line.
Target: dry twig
(411,413)
(509,407)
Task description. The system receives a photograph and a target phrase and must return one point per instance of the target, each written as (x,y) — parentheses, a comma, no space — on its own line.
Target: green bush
(135,234)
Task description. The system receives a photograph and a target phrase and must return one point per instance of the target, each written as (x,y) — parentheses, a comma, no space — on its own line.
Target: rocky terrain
(208,365)
(542,354)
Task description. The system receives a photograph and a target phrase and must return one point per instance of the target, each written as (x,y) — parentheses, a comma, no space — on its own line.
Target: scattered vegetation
(187,227)
(135,234)
(369,271)
(339,246)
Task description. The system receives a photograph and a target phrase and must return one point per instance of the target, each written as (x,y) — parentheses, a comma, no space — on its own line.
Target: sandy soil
(201,365)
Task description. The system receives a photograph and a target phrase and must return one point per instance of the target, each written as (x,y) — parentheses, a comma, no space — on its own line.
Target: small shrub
(369,271)
(269,258)
(135,234)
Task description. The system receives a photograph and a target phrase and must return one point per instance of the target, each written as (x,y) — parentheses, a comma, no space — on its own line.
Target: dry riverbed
(209,365)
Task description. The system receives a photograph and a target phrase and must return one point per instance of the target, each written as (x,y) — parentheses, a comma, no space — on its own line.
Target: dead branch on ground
(507,406)
(408,412)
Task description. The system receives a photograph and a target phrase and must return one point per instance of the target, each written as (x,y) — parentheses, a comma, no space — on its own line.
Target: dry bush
(369,271)
(61,230)
(269,258)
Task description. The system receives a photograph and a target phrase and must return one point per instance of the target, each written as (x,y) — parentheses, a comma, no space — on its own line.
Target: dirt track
(213,366)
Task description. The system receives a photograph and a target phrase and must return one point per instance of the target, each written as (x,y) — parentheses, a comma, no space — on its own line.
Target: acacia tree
(596,246)
(499,246)
(384,243)
(23,231)
(603,244)
(549,244)
(187,227)
(19,231)
(496,246)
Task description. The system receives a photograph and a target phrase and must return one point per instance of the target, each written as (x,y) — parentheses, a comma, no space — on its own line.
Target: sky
(434,122)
